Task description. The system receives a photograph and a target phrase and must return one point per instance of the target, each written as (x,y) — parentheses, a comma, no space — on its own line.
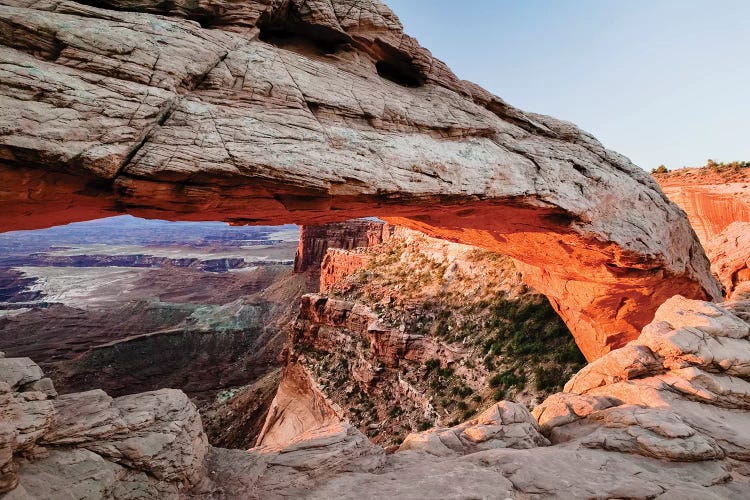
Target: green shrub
(395,412)
(548,379)
(495,380)
(432,364)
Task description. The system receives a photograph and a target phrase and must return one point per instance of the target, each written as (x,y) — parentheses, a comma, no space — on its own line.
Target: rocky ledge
(665,416)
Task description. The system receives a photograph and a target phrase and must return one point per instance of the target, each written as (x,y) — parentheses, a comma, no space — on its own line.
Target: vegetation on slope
(735,171)
(506,340)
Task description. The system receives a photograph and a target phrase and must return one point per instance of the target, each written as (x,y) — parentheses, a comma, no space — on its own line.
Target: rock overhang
(244,118)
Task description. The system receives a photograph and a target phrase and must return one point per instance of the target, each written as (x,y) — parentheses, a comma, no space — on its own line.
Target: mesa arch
(309,111)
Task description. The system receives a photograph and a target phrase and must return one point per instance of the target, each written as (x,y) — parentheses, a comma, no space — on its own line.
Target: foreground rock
(310,112)
(503,425)
(665,416)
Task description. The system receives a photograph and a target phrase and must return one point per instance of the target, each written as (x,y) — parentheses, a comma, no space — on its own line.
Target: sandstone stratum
(716,199)
(310,111)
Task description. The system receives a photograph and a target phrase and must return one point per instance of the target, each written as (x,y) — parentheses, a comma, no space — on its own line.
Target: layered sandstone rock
(671,423)
(417,332)
(503,425)
(729,252)
(678,392)
(314,241)
(310,111)
(712,199)
(89,445)
(717,202)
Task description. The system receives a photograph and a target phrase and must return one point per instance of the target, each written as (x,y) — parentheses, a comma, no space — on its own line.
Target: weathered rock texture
(308,111)
(417,332)
(665,416)
(314,241)
(717,203)
(712,199)
(729,252)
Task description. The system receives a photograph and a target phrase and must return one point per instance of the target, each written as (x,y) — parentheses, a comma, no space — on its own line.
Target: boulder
(503,425)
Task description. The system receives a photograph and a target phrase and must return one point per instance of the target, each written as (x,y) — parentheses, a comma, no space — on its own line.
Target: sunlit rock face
(729,252)
(711,198)
(314,241)
(306,111)
(717,203)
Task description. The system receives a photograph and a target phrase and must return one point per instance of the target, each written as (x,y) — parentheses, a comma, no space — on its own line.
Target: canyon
(412,332)
(436,346)
(660,417)
(129,305)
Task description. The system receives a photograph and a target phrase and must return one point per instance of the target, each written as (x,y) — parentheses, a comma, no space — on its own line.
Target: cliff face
(711,207)
(416,332)
(717,202)
(712,197)
(314,241)
(309,112)
(729,252)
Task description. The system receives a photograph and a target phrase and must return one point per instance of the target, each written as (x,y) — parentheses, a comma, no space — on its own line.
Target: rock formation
(717,202)
(729,253)
(416,332)
(306,111)
(314,241)
(662,417)
(712,199)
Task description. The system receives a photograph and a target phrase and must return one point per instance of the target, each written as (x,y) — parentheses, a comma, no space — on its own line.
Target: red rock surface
(717,202)
(315,240)
(338,264)
(315,112)
(711,199)
(729,253)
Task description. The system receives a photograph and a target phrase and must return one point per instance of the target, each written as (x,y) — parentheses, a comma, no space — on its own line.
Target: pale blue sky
(660,81)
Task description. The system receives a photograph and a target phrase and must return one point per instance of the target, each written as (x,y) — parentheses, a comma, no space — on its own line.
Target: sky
(660,81)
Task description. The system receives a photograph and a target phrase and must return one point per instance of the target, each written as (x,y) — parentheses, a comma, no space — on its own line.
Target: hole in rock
(400,72)
(395,66)
(284,28)
(129,305)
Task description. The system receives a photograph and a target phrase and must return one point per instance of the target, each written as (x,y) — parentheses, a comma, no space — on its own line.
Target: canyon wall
(712,197)
(310,112)
(415,332)
(711,207)
(729,252)
(717,203)
(314,241)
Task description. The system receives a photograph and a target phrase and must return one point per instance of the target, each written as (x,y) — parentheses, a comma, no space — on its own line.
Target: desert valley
(275,249)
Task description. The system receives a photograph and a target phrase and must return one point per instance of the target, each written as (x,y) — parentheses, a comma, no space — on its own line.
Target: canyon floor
(129,305)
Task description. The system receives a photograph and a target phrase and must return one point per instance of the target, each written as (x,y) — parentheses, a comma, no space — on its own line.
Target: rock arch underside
(306,111)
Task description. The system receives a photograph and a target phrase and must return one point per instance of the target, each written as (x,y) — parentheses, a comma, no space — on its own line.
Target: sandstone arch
(309,111)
